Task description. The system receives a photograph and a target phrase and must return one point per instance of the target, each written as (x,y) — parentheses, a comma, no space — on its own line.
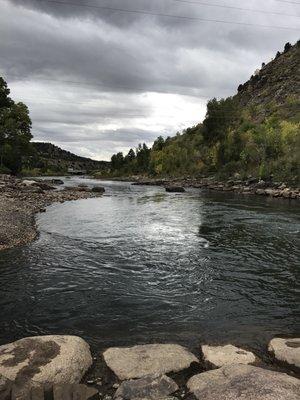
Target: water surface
(140,265)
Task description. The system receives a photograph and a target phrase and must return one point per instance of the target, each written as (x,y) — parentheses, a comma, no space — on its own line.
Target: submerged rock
(175,189)
(140,361)
(218,356)
(237,382)
(45,360)
(286,350)
(151,387)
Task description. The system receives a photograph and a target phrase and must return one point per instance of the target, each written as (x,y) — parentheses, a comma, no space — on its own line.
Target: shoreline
(248,187)
(21,200)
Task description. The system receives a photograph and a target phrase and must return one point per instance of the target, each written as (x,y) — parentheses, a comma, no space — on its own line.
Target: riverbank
(157,371)
(21,200)
(248,187)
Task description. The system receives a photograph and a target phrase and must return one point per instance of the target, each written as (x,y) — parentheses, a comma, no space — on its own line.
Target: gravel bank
(20,200)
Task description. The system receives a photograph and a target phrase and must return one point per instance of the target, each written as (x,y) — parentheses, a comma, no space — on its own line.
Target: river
(140,265)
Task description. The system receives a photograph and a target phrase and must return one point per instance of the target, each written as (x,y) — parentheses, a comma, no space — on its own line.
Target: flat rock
(244,382)
(45,360)
(150,387)
(286,350)
(218,356)
(139,361)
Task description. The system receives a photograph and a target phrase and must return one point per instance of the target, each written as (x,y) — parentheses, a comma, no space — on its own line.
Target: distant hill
(49,157)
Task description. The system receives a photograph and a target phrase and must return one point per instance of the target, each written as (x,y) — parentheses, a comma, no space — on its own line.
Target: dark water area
(139,265)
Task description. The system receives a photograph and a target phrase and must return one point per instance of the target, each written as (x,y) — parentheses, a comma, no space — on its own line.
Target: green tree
(15,131)
(117,161)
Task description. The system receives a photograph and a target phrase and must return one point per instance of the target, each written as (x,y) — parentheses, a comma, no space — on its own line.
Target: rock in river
(151,387)
(175,189)
(286,350)
(218,356)
(244,382)
(45,360)
(139,361)
(98,189)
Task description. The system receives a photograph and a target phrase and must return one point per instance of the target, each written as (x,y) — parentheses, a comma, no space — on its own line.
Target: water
(140,265)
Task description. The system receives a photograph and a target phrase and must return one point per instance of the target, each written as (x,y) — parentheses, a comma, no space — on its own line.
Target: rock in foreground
(140,361)
(237,382)
(150,387)
(45,360)
(286,350)
(218,356)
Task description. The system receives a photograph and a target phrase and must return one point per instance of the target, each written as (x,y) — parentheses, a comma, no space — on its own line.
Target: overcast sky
(98,80)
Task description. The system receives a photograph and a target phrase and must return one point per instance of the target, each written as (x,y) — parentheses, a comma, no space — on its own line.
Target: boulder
(56,181)
(286,350)
(45,360)
(244,382)
(27,182)
(151,387)
(218,356)
(140,361)
(98,189)
(175,189)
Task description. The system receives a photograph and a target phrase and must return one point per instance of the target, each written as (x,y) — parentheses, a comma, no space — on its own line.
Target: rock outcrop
(244,382)
(218,356)
(140,361)
(286,350)
(45,360)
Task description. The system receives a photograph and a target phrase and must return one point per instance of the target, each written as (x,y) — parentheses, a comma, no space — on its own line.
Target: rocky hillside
(276,85)
(255,133)
(51,156)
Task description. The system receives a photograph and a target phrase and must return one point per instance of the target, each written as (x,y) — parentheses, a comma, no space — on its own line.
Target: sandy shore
(20,201)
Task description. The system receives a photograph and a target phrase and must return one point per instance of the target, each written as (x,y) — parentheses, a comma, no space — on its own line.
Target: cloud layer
(99,80)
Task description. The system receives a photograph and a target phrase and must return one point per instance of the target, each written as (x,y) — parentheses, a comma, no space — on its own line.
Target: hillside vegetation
(254,133)
(46,158)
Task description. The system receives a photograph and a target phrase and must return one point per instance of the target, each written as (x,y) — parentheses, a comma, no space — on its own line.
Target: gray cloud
(87,74)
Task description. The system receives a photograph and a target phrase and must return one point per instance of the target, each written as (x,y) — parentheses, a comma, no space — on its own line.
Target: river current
(140,265)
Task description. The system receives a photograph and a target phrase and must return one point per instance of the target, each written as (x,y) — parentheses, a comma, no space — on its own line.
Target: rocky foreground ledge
(21,199)
(54,366)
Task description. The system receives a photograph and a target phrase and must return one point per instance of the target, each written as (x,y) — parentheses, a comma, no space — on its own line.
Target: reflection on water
(141,265)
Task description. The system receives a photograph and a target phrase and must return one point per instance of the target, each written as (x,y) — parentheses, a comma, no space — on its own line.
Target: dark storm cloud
(84,70)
